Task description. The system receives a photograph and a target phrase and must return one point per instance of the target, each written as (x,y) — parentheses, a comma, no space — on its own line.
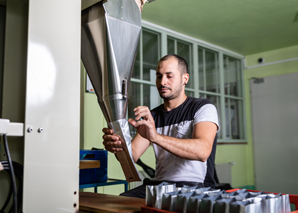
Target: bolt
(40,130)
(30,129)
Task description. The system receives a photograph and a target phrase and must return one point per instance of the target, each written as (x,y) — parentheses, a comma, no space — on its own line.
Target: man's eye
(170,76)
(158,77)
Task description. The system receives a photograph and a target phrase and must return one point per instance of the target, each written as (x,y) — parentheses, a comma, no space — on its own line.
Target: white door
(275,133)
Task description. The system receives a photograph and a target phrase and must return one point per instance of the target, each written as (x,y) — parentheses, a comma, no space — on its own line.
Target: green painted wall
(273,56)
(238,154)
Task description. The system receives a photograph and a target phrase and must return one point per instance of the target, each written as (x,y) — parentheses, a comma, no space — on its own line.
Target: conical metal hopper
(110,33)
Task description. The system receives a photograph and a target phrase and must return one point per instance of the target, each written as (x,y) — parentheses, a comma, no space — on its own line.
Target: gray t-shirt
(179,123)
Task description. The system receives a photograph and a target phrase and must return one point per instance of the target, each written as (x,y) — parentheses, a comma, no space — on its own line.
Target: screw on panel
(75,192)
(30,129)
(40,130)
(74,205)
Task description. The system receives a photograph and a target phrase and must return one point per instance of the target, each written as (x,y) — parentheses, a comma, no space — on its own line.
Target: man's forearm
(138,146)
(191,149)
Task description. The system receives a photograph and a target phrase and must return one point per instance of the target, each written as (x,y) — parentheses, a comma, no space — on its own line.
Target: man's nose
(163,80)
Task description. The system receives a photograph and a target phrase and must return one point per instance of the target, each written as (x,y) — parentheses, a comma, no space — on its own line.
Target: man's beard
(171,96)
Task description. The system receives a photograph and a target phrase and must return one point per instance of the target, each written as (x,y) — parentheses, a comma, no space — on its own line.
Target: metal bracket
(258,80)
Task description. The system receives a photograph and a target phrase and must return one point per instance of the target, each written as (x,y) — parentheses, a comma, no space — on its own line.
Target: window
(142,90)
(215,74)
(208,70)
(183,49)
(209,79)
(233,98)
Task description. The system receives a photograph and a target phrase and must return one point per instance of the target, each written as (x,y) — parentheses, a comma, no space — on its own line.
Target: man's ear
(185,78)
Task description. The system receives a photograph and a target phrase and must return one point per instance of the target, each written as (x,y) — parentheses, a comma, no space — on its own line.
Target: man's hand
(144,123)
(111,141)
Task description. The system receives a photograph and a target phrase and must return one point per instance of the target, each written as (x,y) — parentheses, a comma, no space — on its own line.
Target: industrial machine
(50,118)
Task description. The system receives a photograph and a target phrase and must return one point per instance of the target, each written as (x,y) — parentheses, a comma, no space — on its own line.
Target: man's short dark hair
(182,63)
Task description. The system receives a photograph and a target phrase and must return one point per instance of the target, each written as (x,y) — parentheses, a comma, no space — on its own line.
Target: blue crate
(96,175)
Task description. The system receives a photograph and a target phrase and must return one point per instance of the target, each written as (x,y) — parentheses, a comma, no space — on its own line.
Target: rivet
(30,129)
(40,130)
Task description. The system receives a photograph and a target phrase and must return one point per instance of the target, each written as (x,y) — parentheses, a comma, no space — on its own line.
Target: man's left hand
(144,123)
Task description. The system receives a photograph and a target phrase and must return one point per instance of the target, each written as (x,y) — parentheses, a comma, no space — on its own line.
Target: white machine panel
(4,126)
(52,117)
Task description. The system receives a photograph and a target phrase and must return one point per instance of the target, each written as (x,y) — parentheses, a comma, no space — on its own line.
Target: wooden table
(96,202)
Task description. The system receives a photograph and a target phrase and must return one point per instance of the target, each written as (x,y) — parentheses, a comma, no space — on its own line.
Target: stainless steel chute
(110,33)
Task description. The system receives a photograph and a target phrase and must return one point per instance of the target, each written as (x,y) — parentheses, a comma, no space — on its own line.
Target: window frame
(195,44)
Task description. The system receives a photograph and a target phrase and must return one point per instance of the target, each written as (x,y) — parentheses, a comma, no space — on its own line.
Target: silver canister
(110,33)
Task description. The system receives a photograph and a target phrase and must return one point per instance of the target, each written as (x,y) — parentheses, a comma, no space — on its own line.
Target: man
(182,131)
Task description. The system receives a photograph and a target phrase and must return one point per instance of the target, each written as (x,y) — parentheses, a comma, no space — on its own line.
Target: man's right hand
(111,141)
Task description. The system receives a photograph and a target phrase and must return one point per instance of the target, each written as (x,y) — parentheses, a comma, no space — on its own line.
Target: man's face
(169,81)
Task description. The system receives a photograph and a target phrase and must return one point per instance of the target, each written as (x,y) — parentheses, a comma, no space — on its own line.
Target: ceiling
(243,26)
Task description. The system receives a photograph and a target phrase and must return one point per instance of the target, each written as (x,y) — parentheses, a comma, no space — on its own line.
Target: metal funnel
(110,33)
